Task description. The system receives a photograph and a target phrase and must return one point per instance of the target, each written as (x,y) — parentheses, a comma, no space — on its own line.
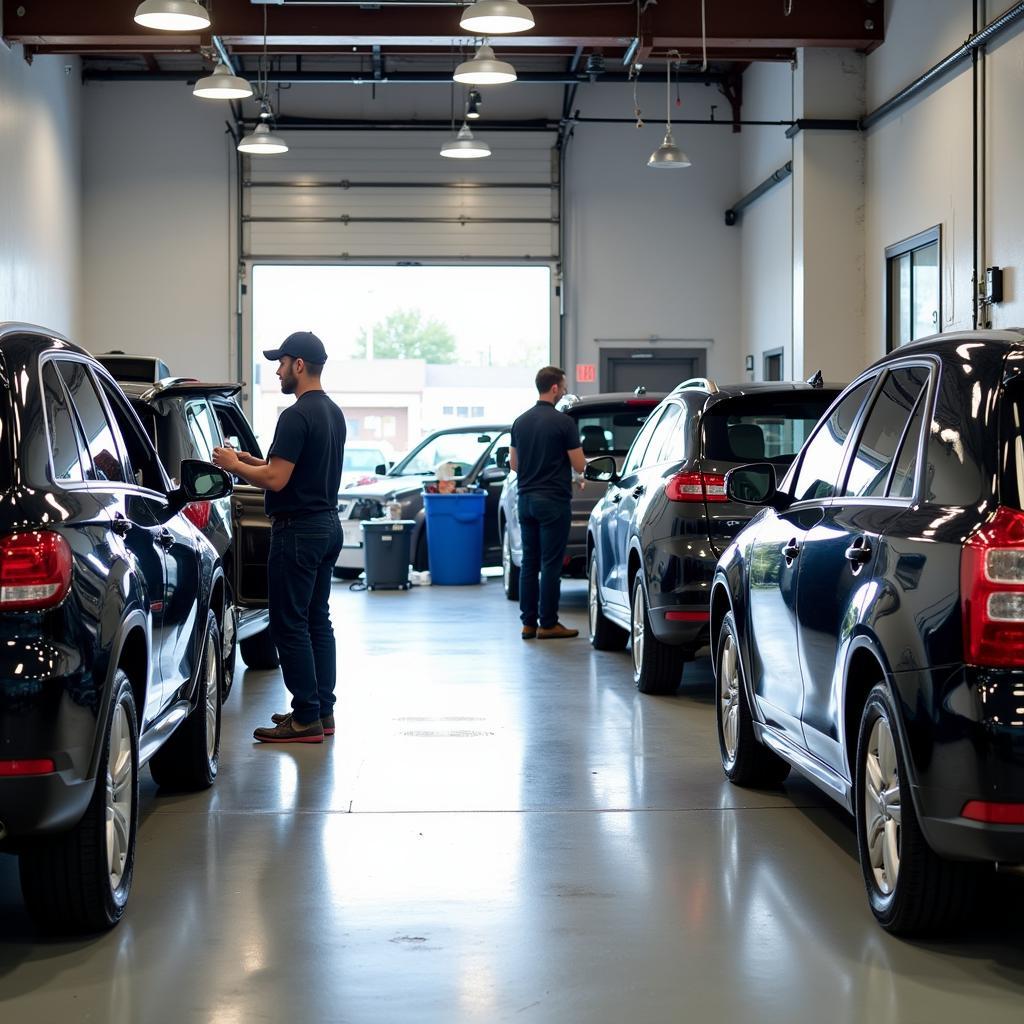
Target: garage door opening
(410,349)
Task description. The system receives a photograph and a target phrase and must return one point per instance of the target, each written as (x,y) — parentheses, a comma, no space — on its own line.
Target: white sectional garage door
(340,195)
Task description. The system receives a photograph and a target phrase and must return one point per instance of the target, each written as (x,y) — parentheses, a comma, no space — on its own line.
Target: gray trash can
(386,547)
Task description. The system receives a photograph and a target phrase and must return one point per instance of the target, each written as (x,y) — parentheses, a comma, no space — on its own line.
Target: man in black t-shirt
(545,451)
(301,476)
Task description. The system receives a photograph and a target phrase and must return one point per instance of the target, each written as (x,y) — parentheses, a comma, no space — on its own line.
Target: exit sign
(586,373)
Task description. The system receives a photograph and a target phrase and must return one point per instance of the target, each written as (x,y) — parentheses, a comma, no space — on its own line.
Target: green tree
(405,334)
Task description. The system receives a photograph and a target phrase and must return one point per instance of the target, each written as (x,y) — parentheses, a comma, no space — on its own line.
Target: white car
(364,462)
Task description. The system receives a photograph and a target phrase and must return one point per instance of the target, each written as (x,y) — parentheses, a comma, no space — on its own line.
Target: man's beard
(289,383)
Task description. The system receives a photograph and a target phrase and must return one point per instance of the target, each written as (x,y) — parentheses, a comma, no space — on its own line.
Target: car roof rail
(708,384)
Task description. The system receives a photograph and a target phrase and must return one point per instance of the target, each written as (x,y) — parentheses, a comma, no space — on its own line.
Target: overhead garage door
(390,195)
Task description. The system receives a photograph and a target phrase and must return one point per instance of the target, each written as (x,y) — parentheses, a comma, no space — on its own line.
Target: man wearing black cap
(301,476)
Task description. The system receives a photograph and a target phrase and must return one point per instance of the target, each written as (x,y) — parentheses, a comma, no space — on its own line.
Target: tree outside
(405,334)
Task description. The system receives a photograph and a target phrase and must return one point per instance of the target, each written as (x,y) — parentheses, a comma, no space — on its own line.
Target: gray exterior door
(656,369)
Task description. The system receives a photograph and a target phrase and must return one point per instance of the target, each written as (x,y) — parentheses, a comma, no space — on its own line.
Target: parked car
(476,452)
(607,424)
(110,609)
(654,538)
(869,621)
(365,463)
(187,419)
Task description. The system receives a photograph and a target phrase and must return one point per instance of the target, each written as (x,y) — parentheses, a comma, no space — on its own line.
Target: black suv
(110,604)
(869,622)
(187,419)
(654,538)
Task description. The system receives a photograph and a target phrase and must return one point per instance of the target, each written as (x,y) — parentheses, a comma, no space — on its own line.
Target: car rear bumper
(679,575)
(41,804)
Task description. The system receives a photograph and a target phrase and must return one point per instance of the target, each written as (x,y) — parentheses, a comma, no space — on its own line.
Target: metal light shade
(172,15)
(485,69)
(260,141)
(473,102)
(494,17)
(222,85)
(668,154)
(465,147)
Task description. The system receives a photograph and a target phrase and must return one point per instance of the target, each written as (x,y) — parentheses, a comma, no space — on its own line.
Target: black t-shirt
(542,437)
(311,434)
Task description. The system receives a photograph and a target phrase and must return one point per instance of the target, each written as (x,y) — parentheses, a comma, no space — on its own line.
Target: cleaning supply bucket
(455,536)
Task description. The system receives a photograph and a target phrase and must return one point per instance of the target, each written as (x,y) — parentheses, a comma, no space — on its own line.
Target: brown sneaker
(289,731)
(529,632)
(556,632)
(327,722)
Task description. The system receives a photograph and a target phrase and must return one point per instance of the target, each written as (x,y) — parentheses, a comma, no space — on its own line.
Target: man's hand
(227,459)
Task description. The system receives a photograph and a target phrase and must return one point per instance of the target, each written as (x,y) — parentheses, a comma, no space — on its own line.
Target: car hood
(385,487)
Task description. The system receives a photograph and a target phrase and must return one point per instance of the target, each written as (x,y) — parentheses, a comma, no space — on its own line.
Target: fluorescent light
(222,85)
(172,15)
(260,141)
(485,69)
(465,147)
(494,17)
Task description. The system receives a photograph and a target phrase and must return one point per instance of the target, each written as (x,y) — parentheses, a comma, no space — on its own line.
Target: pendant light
(465,147)
(668,154)
(473,101)
(485,69)
(172,15)
(494,17)
(262,142)
(222,85)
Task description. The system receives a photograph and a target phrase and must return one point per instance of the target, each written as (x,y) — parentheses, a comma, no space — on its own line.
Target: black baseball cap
(301,345)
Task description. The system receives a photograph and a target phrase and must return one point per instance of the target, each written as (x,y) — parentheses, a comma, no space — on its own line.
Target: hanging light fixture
(261,141)
(172,15)
(222,85)
(494,17)
(485,69)
(668,154)
(473,102)
(465,147)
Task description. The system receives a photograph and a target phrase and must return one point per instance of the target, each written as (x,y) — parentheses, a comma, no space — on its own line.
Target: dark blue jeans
(544,524)
(302,554)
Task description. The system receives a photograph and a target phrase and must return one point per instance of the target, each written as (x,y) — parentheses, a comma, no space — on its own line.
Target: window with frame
(142,461)
(661,441)
(65,455)
(100,440)
(638,449)
(913,288)
(203,428)
(773,364)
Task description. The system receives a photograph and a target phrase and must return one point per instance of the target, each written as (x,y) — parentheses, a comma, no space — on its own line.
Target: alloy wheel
(120,794)
(637,630)
(227,631)
(883,815)
(211,694)
(729,697)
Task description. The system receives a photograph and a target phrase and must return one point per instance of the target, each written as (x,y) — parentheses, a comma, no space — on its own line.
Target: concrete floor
(500,831)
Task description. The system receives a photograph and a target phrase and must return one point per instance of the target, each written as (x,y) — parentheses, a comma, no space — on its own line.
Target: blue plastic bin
(455,537)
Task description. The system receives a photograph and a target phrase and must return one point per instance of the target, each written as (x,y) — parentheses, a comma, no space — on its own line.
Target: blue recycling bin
(455,537)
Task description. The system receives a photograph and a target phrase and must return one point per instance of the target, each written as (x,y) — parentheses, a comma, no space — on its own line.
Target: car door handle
(638,490)
(859,552)
(616,498)
(791,550)
(166,539)
(120,525)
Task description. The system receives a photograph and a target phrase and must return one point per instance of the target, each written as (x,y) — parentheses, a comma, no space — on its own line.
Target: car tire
(66,879)
(745,760)
(604,634)
(259,652)
(509,570)
(229,640)
(657,667)
(911,890)
(346,572)
(190,759)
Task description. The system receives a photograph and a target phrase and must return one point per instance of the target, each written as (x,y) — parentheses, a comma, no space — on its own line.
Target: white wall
(40,171)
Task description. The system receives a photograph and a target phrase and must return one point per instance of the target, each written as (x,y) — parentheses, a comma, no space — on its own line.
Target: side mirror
(755,485)
(493,475)
(501,456)
(602,470)
(380,469)
(200,481)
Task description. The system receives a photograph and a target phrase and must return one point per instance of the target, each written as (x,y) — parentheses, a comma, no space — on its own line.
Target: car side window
(65,455)
(107,460)
(904,477)
(663,437)
(822,459)
(883,430)
(142,458)
(203,429)
(503,441)
(235,429)
(635,456)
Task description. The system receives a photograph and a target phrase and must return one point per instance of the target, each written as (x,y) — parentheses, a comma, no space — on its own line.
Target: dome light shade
(473,102)
(494,17)
(485,69)
(668,154)
(222,85)
(172,15)
(465,147)
(262,142)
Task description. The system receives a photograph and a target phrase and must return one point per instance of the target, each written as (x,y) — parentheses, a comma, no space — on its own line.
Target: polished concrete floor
(500,831)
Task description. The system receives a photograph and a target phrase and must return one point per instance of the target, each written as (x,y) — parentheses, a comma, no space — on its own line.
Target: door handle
(616,498)
(859,552)
(638,490)
(120,525)
(166,539)
(791,550)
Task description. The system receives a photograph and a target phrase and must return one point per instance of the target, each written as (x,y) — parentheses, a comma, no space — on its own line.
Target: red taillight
(12,769)
(688,616)
(35,571)
(198,513)
(696,487)
(992,813)
(992,592)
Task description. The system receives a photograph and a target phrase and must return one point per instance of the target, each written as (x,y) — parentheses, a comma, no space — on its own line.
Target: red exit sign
(586,373)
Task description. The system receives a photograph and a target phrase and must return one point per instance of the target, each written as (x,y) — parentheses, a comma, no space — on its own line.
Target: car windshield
(610,431)
(363,460)
(463,448)
(770,427)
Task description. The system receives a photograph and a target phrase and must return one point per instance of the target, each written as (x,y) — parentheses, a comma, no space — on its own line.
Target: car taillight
(696,487)
(992,592)
(198,513)
(35,571)
(19,769)
(993,813)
